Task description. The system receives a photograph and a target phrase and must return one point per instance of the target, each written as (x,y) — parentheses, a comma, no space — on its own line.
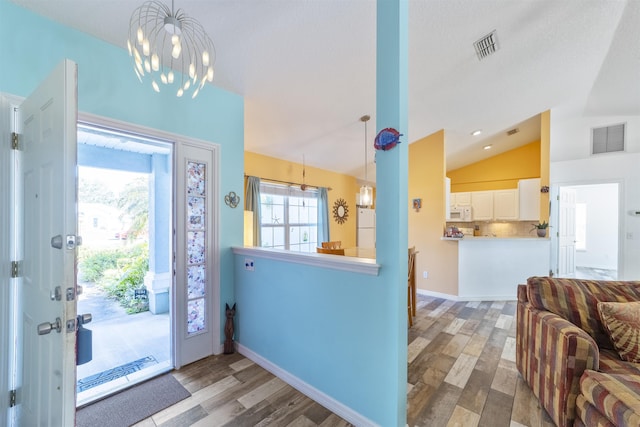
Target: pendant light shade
(366,192)
(162,40)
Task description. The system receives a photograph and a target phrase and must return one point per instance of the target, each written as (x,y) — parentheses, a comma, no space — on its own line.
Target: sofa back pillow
(577,300)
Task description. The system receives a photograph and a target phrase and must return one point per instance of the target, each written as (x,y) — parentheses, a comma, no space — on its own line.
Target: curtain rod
(286,182)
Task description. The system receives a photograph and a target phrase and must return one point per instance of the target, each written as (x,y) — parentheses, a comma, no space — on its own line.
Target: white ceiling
(306,68)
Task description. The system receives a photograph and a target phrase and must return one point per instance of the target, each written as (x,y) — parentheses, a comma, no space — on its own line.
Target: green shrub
(120,278)
(93,263)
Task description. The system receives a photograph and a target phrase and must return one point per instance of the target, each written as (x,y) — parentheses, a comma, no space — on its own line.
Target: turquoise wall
(331,329)
(31,46)
(346,333)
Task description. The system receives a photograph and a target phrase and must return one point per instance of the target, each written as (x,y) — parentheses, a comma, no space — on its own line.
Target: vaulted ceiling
(306,68)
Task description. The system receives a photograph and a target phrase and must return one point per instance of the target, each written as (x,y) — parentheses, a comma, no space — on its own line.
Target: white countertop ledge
(334,262)
(490,238)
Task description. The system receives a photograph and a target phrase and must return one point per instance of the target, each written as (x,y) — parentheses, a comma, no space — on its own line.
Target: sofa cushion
(622,322)
(611,363)
(616,396)
(576,300)
(588,415)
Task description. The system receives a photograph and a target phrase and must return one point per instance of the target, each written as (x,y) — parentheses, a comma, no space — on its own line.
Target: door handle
(46,327)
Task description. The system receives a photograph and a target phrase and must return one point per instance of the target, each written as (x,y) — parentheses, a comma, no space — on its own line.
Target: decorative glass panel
(196,316)
(195,212)
(196,179)
(196,247)
(195,281)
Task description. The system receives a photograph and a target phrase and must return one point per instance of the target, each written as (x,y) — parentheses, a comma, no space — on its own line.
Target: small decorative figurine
(228,330)
(387,139)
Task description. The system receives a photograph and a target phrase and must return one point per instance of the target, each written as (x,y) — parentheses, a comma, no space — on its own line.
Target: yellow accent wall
(427,167)
(342,186)
(545,162)
(501,171)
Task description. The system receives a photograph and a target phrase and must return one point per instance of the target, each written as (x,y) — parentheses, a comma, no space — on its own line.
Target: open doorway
(588,231)
(124,262)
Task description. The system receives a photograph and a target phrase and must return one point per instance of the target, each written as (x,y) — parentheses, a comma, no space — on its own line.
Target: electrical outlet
(248,264)
(425,274)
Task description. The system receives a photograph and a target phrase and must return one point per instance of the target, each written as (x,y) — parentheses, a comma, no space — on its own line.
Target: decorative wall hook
(417,204)
(232,199)
(544,189)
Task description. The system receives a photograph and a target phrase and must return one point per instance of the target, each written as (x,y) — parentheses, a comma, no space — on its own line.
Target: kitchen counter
(494,238)
(490,268)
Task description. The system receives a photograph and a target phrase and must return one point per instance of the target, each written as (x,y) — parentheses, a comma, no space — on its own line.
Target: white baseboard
(313,393)
(459,298)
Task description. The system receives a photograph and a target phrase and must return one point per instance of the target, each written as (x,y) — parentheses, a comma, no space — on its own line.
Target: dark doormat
(134,404)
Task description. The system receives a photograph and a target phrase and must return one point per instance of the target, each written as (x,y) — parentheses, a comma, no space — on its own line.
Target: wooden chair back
(337,244)
(337,251)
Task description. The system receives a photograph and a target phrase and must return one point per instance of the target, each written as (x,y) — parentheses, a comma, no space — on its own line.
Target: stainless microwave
(460,213)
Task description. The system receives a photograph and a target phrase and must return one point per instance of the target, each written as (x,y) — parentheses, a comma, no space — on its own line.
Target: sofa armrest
(551,355)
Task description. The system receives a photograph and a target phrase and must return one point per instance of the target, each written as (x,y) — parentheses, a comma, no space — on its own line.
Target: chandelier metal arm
(162,40)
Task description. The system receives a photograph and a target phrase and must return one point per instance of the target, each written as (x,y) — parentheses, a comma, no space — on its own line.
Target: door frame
(555,214)
(178,140)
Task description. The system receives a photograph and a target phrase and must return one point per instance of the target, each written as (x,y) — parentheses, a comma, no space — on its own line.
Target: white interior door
(46,372)
(567,232)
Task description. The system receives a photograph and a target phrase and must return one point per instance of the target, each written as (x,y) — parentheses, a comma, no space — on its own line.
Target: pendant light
(366,192)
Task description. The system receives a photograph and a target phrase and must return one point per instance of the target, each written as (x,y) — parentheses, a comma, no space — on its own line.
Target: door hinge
(12,398)
(15,139)
(15,269)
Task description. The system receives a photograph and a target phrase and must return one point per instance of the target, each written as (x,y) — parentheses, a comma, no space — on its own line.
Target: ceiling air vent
(513,131)
(487,45)
(607,139)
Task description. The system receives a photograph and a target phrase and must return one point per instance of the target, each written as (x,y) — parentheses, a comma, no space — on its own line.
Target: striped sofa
(566,356)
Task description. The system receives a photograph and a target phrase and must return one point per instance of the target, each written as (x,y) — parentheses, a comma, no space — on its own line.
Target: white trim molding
(335,262)
(308,390)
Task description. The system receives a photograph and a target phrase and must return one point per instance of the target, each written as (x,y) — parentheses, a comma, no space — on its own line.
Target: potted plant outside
(541,228)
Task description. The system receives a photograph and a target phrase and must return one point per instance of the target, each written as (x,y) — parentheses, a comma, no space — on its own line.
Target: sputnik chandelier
(170,48)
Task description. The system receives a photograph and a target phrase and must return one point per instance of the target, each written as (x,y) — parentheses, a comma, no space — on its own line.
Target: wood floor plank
(461,372)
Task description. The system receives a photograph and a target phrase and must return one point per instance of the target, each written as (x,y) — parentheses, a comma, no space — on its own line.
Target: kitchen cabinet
(482,205)
(460,199)
(506,205)
(529,199)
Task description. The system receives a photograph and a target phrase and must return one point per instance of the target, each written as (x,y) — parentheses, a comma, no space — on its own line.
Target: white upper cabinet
(460,199)
(529,195)
(482,205)
(505,205)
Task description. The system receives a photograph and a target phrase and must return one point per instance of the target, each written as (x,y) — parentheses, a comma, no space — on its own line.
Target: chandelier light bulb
(145,47)
(158,35)
(155,62)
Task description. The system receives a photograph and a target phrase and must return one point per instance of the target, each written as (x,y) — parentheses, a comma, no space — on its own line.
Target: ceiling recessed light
(487,147)
(476,132)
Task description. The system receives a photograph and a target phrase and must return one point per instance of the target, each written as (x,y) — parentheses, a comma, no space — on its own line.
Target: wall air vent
(513,131)
(608,139)
(487,45)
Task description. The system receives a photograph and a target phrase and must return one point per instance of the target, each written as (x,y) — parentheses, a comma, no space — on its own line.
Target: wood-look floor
(461,373)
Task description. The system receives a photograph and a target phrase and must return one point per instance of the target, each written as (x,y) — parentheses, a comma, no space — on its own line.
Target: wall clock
(340,211)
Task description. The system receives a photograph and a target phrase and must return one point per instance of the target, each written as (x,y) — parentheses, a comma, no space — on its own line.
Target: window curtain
(323,215)
(252,203)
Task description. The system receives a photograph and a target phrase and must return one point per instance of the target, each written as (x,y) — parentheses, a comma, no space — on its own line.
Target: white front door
(567,233)
(46,380)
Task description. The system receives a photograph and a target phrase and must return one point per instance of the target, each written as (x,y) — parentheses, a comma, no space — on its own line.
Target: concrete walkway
(119,339)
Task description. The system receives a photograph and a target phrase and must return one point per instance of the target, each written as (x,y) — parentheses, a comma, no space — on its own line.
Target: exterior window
(289,218)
